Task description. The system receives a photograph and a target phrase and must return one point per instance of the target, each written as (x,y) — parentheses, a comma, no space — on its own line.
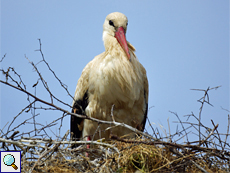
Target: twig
(51,151)
(28,106)
(210,134)
(217,133)
(227,134)
(152,128)
(43,59)
(202,103)
(181,124)
(170,139)
(3,57)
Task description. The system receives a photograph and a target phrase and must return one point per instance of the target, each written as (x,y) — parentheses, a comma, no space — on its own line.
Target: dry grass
(132,157)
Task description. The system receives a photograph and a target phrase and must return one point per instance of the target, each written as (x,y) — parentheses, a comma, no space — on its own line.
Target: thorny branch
(43,59)
(203,100)
(45,84)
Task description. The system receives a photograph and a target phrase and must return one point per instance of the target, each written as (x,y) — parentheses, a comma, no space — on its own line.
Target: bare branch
(3,57)
(181,124)
(202,101)
(43,59)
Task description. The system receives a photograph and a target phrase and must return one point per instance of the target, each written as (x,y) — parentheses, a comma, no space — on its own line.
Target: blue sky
(182,44)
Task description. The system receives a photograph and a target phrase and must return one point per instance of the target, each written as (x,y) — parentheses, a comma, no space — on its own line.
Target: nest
(119,155)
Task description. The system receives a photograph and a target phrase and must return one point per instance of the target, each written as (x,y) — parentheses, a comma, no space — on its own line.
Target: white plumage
(114,77)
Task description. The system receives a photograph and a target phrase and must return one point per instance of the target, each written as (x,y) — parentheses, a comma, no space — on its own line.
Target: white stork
(115,77)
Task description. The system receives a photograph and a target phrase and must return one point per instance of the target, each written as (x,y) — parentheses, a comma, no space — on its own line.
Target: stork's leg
(87,146)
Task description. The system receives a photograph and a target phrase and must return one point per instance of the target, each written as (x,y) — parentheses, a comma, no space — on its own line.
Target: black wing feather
(79,107)
(145,114)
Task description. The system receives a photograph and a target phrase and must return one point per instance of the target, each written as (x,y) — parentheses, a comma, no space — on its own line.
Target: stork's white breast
(115,81)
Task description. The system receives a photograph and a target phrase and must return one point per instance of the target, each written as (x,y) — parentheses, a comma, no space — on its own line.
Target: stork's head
(115,25)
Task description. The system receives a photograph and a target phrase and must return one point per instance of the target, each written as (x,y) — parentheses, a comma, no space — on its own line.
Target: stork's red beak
(120,36)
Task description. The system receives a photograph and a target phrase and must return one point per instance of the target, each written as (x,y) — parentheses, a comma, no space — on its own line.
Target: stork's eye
(111,23)
(127,24)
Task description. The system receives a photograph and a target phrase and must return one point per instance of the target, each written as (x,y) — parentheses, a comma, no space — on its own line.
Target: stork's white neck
(109,40)
(112,47)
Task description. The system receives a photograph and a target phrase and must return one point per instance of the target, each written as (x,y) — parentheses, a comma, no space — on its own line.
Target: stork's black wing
(145,113)
(76,123)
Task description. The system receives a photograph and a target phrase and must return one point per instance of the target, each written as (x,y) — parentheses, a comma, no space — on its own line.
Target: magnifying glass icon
(9,160)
